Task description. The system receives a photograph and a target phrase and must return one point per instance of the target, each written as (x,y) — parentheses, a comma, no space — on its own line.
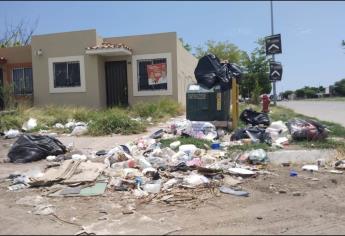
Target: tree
(223,50)
(257,71)
(286,94)
(17,35)
(339,87)
(300,93)
(310,92)
(187,46)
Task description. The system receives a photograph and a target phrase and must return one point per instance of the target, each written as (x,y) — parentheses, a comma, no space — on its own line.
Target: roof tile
(106,45)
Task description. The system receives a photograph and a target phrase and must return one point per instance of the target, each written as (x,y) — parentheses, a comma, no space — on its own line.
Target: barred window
(22,81)
(66,74)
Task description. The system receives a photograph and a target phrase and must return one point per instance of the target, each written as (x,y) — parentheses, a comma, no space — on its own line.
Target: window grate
(143,79)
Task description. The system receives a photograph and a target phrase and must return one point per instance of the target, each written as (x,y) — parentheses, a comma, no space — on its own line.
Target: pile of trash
(141,167)
(75,128)
(259,129)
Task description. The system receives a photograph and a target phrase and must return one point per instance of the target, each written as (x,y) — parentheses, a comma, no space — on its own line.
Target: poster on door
(157,73)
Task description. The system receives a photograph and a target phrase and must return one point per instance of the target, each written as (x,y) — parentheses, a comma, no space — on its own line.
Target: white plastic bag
(12,133)
(30,124)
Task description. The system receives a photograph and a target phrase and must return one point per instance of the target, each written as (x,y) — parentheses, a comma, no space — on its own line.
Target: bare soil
(271,207)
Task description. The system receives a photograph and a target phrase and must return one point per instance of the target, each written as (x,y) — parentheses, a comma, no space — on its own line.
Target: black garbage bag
(30,148)
(306,129)
(256,133)
(252,117)
(210,71)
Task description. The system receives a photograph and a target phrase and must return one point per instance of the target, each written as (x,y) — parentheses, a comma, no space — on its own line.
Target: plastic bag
(30,148)
(211,71)
(306,129)
(30,124)
(258,156)
(252,117)
(254,133)
(79,130)
(12,133)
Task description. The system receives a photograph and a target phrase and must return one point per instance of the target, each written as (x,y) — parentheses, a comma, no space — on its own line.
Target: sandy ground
(324,110)
(318,210)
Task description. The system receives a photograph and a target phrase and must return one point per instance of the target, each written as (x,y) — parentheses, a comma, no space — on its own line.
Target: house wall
(72,44)
(17,57)
(149,44)
(186,64)
(65,45)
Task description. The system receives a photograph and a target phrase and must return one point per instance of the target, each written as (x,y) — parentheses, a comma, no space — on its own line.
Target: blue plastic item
(138,180)
(293,173)
(215,145)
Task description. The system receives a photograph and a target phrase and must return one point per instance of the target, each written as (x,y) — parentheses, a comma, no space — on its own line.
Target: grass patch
(249,147)
(11,121)
(157,110)
(322,144)
(199,143)
(115,120)
(101,122)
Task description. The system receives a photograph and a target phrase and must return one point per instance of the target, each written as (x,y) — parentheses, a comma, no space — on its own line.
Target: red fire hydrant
(265,103)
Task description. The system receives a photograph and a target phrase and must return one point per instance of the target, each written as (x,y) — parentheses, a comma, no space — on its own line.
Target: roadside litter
(12,133)
(143,167)
(249,116)
(307,129)
(30,124)
(28,148)
(231,191)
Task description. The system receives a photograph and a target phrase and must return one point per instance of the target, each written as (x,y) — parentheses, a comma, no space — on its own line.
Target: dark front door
(1,90)
(116,83)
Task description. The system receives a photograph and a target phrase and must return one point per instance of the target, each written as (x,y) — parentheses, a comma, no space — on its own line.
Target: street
(324,110)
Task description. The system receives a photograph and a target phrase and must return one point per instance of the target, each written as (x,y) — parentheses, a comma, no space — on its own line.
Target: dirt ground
(271,207)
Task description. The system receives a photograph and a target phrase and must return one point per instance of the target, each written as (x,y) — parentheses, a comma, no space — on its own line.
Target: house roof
(106,45)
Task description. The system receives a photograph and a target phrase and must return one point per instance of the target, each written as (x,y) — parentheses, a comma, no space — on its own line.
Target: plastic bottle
(143,163)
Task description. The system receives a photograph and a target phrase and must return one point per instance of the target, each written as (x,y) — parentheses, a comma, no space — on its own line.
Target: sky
(311,31)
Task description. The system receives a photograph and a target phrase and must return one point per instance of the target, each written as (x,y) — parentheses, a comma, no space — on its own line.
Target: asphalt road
(324,110)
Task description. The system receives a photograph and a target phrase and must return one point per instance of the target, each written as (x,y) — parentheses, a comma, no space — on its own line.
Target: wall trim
(81,88)
(135,75)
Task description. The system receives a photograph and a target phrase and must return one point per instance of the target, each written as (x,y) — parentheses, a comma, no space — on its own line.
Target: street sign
(273,44)
(276,71)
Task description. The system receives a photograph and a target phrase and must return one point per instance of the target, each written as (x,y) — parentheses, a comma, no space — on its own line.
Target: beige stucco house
(81,68)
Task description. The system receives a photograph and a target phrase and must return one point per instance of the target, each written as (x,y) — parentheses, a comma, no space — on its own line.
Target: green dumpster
(203,104)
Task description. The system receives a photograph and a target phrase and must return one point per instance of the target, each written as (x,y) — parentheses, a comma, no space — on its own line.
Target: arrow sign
(276,71)
(273,44)
(273,47)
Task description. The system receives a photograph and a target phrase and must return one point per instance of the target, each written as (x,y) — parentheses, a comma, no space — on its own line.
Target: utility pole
(273,59)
